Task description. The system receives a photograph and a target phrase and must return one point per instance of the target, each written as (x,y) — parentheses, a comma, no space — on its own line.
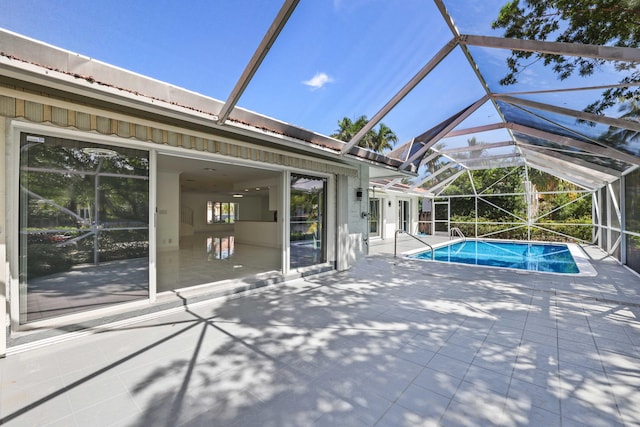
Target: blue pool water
(553,258)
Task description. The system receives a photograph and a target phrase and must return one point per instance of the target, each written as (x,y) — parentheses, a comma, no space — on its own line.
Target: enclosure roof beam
(612,53)
(587,185)
(515,162)
(571,142)
(476,129)
(428,144)
(542,162)
(572,167)
(433,175)
(446,182)
(429,66)
(254,63)
(477,147)
(614,174)
(582,115)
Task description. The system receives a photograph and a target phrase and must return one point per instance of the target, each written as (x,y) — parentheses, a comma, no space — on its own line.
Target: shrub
(44,259)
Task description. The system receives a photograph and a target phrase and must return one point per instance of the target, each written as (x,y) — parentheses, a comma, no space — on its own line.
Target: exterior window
(222,212)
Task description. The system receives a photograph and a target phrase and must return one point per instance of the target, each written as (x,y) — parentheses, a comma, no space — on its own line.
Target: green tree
(348,128)
(377,140)
(382,139)
(472,154)
(597,22)
(621,137)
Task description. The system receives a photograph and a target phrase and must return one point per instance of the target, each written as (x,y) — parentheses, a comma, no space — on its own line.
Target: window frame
(215,211)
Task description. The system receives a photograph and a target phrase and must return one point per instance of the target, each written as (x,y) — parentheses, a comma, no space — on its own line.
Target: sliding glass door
(374,218)
(83,226)
(307,228)
(403,215)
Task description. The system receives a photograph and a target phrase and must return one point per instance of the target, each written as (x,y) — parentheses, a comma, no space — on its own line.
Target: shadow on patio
(390,342)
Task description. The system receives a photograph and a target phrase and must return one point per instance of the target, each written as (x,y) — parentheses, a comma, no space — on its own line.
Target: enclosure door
(403,215)
(374,218)
(307,226)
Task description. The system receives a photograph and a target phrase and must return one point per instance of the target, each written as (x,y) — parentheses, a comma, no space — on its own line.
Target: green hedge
(44,259)
(499,231)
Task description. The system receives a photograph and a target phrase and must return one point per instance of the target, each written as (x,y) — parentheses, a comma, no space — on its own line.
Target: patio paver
(390,342)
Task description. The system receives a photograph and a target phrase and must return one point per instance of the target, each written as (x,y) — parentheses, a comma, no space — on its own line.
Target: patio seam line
(467,371)
(560,293)
(604,369)
(558,379)
(412,382)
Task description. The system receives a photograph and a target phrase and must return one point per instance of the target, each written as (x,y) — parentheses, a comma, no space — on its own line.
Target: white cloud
(318,81)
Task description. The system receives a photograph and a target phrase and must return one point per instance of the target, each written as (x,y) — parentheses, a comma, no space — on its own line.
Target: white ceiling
(198,175)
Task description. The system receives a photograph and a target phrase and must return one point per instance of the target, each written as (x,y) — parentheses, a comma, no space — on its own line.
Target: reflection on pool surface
(551,258)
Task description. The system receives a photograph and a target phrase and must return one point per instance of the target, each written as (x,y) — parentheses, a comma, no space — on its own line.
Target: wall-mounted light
(389,203)
(238,195)
(358,194)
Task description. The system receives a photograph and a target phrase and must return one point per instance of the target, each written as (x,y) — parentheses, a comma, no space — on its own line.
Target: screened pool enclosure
(112,166)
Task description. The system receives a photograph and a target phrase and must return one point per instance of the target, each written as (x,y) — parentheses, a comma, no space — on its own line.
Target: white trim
(4,267)
(285,217)
(15,128)
(153,225)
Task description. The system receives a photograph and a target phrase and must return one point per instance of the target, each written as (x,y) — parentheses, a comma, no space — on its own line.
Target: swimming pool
(550,258)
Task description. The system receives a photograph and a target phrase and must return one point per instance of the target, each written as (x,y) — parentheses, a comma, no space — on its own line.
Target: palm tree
(375,140)
(382,139)
(348,128)
(621,137)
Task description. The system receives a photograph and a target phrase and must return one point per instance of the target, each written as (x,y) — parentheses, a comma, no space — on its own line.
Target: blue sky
(333,59)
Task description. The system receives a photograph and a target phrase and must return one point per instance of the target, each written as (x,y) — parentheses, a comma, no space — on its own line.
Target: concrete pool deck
(391,342)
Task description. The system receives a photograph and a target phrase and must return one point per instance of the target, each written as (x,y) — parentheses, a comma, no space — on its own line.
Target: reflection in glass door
(83,226)
(374,217)
(307,221)
(403,215)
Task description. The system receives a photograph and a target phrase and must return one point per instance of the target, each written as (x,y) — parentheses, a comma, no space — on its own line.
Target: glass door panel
(403,215)
(307,221)
(374,217)
(83,226)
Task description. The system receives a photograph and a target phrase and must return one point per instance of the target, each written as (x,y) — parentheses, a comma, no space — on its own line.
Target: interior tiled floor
(201,259)
(391,342)
(211,257)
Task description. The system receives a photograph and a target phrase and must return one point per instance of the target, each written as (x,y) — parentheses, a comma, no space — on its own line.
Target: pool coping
(585,268)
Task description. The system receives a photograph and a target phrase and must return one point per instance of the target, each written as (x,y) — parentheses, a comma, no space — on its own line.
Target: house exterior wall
(47,114)
(389,212)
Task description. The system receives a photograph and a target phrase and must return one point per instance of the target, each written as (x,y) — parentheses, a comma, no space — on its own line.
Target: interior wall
(252,208)
(198,203)
(168,213)
(255,208)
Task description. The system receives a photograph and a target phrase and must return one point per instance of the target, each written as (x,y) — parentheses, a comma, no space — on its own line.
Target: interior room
(216,221)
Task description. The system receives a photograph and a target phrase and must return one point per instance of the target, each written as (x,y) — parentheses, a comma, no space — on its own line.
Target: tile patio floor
(391,342)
